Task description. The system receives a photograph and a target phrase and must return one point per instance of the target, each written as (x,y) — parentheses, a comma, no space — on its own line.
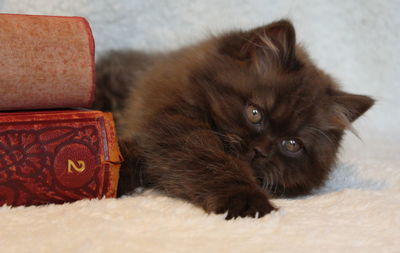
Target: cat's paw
(248,203)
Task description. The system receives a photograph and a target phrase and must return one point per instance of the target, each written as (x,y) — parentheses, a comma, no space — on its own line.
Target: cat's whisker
(275,188)
(321,133)
(271,182)
(264,184)
(275,179)
(266,180)
(282,182)
(276,184)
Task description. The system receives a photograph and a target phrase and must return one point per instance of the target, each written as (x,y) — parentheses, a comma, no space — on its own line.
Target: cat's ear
(265,46)
(348,107)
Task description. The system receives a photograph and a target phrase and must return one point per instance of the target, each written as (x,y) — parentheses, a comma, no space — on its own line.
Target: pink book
(45,62)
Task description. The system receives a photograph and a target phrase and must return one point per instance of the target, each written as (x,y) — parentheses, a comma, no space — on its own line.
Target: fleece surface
(358,210)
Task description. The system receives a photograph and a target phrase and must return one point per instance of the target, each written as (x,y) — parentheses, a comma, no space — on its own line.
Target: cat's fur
(183,119)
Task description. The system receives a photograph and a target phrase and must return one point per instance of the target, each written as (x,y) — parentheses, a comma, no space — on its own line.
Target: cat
(229,122)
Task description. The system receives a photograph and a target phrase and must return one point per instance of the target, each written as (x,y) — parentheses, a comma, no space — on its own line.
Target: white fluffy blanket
(357,211)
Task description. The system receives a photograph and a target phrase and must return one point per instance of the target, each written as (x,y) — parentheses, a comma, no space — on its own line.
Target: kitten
(229,122)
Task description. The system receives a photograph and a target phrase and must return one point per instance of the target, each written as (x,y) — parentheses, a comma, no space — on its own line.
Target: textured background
(358,42)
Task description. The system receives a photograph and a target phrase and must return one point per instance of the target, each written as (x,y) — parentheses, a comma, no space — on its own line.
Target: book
(45,62)
(57,156)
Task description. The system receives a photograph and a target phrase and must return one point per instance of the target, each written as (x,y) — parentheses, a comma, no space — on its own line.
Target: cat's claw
(245,204)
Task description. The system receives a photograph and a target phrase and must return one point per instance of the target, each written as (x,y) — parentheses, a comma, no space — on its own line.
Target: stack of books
(49,152)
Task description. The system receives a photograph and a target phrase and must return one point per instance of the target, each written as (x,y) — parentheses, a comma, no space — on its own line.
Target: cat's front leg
(239,202)
(195,167)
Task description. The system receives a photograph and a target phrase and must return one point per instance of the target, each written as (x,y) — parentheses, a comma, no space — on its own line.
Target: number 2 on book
(72,166)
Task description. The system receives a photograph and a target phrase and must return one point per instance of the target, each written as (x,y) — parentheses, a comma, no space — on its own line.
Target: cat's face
(274,109)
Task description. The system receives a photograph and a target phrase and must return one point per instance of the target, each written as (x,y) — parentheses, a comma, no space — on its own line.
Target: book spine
(45,62)
(57,157)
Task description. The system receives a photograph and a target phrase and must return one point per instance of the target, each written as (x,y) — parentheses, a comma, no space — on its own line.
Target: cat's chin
(267,178)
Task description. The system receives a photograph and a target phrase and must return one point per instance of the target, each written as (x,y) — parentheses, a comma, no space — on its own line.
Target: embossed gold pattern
(78,168)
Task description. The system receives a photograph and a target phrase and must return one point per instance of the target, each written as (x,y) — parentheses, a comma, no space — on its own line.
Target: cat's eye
(254,114)
(291,146)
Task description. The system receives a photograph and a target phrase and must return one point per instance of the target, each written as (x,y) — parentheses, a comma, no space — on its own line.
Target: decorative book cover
(57,156)
(45,62)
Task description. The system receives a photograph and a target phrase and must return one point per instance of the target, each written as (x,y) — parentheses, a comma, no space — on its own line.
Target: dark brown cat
(229,122)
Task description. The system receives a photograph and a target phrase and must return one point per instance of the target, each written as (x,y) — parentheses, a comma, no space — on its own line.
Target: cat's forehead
(290,103)
(270,85)
(273,92)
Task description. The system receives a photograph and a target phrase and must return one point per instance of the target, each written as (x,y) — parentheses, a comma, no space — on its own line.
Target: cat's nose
(260,151)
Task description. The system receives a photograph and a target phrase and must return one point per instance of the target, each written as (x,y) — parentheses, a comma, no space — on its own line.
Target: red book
(45,62)
(57,156)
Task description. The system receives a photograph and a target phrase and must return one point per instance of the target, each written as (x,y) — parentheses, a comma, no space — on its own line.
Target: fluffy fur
(347,221)
(186,129)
